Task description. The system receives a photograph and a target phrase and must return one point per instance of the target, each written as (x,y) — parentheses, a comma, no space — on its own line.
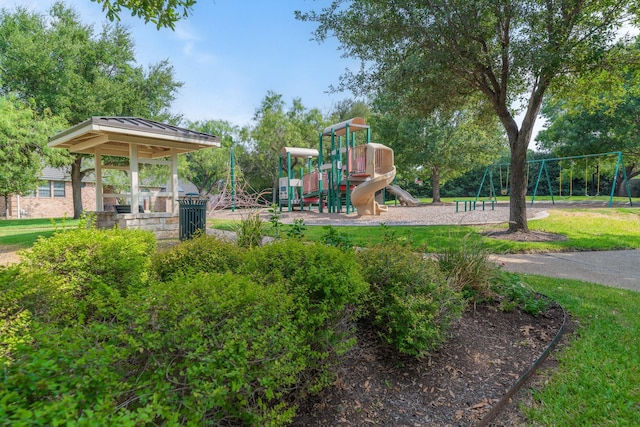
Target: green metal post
(484,176)
(620,163)
(289,178)
(546,171)
(233,180)
(320,180)
(347,197)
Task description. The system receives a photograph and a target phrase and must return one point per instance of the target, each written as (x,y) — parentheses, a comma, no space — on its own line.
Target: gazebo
(142,142)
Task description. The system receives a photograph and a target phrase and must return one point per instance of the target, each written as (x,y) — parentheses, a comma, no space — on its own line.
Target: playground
(347,173)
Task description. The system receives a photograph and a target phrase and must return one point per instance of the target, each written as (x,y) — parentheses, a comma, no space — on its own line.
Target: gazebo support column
(134,167)
(99,196)
(174,180)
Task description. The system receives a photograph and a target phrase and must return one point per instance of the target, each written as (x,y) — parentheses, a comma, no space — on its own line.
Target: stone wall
(164,225)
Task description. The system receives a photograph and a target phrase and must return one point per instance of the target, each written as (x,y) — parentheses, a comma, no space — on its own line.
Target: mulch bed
(489,350)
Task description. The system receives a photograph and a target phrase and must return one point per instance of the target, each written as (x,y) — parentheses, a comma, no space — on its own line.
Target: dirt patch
(488,351)
(9,254)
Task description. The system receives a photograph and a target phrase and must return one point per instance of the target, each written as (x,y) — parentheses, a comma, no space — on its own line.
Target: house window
(58,188)
(44,189)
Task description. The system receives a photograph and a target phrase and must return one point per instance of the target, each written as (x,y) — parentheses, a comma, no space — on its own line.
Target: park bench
(471,205)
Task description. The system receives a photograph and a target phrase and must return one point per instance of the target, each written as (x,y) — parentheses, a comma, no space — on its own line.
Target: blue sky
(229,54)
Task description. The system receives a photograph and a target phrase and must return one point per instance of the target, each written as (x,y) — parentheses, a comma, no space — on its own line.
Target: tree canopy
(163,13)
(442,146)
(209,170)
(436,54)
(62,66)
(276,127)
(23,146)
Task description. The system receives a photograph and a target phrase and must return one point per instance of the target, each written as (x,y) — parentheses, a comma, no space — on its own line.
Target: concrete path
(611,268)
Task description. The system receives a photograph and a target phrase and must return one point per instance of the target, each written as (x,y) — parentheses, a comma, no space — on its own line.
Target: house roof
(113,135)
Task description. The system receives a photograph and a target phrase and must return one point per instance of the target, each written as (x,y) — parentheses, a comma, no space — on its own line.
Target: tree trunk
(76,187)
(621,185)
(518,190)
(435,182)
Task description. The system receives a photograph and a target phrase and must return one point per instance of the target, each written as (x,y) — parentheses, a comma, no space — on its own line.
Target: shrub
(512,292)
(218,349)
(324,283)
(14,319)
(96,267)
(468,268)
(209,349)
(333,237)
(411,303)
(200,254)
(250,231)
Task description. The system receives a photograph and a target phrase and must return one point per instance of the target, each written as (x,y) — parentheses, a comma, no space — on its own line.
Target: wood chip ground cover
(488,351)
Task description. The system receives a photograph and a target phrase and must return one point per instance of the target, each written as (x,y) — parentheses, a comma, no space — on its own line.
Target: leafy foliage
(202,253)
(226,349)
(333,237)
(411,303)
(276,127)
(250,231)
(164,14)
(99,267)
(325,284)
(205,349)
(23,145)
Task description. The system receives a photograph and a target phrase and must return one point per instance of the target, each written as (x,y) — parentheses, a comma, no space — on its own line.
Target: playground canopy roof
(354,125)
(299,152)
(113,135)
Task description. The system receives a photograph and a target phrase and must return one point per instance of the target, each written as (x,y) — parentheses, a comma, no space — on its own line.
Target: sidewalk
(611,268)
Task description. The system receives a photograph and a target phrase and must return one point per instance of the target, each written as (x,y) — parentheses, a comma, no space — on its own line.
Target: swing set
(566,165)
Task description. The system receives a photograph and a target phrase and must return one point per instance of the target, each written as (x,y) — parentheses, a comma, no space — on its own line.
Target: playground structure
(586,169)
(350,179)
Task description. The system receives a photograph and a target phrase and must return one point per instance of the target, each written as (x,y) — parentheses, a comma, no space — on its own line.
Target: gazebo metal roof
(141,141)
(113,136)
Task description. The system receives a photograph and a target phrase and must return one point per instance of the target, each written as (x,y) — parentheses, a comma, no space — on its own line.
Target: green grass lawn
(584,229)
(22,233)
(597,381)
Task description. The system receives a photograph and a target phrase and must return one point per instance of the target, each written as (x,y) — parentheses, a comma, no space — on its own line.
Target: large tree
(23,147)
(276,127)
(439,52)
(442,146)
(62,66)
(207,169)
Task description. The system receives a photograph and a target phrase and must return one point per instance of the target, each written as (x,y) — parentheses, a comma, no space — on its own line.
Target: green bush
(205,350)
(94,267)
(411,303)
(324,283)
(219,348)
(200,254)
(511,292)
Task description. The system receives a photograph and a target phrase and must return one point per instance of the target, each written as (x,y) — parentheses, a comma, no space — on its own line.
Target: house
(52,199)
